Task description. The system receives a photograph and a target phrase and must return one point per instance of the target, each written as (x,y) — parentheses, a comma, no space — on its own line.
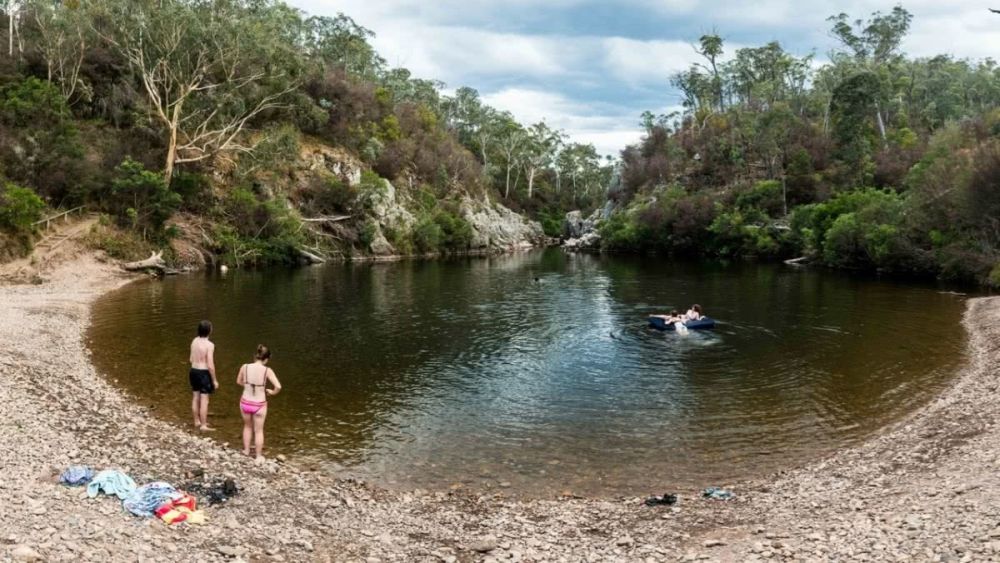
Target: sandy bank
(925,488)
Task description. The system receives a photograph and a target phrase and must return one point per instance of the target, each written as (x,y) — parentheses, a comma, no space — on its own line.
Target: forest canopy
(154,110)
(869,160)
(187,88)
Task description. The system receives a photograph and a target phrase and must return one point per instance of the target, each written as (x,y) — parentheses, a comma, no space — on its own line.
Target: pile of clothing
(157,499)
(718,493)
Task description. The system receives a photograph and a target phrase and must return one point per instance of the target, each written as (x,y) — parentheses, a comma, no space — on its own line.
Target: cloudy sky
(592,66)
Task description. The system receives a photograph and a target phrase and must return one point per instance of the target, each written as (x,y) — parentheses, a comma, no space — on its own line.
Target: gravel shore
(924,489)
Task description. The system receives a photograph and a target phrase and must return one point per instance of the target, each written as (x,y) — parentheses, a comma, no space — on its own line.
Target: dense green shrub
(39,142)
(671,221)
(553,221)
(257,231)
(619,232)
(456,232)
(19,208)
(427,234)
(328,194)
(743,233)
(994,277)
(371,190)
(765,195)
(194,190)
(140,199)
(369,231)
(122,244)
(860,229)
(400,240)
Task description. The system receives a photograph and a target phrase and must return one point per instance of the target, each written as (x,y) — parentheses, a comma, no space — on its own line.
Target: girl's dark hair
(204,328)
(262,353)
(673,312)
(697,308)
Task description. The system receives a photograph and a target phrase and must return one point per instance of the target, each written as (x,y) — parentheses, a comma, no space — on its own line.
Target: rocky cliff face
(581,233)
(494,227)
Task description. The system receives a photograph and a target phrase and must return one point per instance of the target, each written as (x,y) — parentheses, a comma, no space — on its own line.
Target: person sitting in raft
(673,317)
(693,314)
(253,404)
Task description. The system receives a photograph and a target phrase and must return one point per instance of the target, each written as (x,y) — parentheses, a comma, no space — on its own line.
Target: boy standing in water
(202,375)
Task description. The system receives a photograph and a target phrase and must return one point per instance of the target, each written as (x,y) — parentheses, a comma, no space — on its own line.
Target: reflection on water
(470,371)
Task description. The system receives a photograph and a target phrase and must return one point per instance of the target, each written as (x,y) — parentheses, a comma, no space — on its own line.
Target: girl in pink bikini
(253,404)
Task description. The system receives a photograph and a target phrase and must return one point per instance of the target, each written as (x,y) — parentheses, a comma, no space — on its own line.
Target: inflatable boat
(702,324)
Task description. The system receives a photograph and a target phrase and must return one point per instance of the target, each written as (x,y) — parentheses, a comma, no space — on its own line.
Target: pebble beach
(923,489)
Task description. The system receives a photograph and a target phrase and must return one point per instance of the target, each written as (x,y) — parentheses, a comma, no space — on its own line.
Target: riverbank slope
(924,489)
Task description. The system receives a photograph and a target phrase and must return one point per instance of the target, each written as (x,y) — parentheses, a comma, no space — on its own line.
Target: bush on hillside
(141,200)
(257,231)
(427,234)
(39,143)
(19,209)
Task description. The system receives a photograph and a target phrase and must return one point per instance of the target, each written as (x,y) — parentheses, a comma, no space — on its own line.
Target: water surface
(536,372)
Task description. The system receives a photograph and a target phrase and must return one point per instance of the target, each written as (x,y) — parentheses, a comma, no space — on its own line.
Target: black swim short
(201,381)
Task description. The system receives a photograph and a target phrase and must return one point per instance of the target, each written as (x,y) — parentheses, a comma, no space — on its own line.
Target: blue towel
(111,482)
(147,498)
(76,476)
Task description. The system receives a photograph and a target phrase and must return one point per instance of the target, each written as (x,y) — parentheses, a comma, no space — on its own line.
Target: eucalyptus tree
(940,89)
(477,125)
(761,76)
(511,141)
(13,10)
(539,151)
(64,35)
(582,165)
(208,69)
(710,47)
(406,89)
(339,41)
(873,47)
(696,89)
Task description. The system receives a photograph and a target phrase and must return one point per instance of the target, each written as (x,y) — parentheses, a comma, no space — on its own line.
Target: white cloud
(609,129)
(972,34)
(570,79)
(638,62)
(457,54)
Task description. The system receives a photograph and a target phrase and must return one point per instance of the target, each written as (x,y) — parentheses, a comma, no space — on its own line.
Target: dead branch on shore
(154,262)
(326,219)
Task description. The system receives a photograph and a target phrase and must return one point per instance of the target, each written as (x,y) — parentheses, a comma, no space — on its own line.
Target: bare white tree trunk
(826,116)
(881,123)
(506,193)
(10,28)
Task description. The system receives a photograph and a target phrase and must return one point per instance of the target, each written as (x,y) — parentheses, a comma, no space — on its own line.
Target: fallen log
(154,262)
(330,219)
(311,257)
(798,261)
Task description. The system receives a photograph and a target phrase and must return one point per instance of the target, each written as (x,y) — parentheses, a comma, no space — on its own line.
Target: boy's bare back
(201,351)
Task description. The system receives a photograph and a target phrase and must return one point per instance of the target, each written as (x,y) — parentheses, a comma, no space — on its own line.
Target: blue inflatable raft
(703,324)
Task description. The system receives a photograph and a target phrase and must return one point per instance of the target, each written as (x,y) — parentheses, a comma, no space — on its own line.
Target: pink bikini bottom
(251,407)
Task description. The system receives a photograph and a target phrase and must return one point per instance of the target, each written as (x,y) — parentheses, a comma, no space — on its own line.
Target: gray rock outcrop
(495,227)
(581,233)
